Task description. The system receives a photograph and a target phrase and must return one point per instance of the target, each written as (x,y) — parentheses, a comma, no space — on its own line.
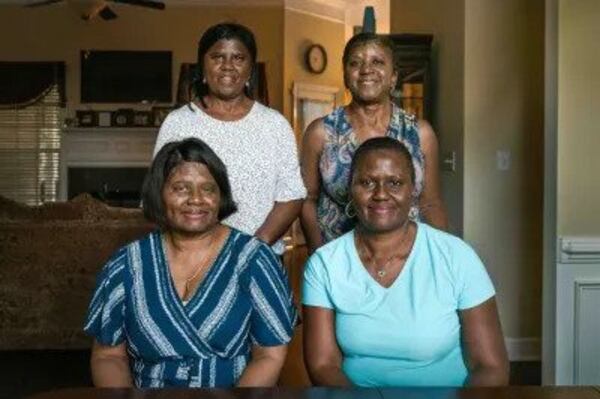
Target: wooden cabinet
(413,58)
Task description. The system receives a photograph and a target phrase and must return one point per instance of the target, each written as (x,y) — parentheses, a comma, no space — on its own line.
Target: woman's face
(381,190)
(369,73)
(191,199)
(227,68)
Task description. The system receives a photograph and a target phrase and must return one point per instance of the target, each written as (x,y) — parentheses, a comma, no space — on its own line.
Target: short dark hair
(170,156)
(223,31)
(382,143)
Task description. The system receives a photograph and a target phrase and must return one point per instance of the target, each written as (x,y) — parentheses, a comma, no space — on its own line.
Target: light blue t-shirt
(407,334)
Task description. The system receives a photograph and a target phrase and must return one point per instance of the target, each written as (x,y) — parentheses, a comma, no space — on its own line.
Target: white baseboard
(523,349)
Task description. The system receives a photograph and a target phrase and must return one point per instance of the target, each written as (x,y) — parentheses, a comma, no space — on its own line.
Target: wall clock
(315,58)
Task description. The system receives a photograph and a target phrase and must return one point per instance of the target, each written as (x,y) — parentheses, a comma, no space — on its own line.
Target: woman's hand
(484,349)
(312,146)
(110,366)
(322,354)
(431,206)
(265,366)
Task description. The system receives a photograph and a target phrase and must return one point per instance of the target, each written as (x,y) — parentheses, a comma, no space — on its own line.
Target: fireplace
(108,163)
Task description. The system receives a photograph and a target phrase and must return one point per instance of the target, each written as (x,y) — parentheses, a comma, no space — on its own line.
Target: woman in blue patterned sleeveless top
(330,142)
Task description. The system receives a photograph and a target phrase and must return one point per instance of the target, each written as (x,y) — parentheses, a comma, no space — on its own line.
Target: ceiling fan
(100,8)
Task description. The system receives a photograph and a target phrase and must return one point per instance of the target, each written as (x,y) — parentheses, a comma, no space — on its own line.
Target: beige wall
(578,211)
(301,30)
(504,111)
(488,96)
(56,33)
(445,20)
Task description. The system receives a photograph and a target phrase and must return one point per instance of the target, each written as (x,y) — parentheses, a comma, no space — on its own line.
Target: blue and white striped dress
(244,299)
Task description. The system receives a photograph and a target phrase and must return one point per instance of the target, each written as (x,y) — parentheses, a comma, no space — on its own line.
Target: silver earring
(349,210)
(203,80)
(248,84)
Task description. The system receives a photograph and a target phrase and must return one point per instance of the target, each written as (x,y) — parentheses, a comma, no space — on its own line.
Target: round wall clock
(315,58)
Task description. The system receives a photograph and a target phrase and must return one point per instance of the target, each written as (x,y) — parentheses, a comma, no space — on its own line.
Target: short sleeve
(314,286)
(290,185)
(274,314)
(105,317)
(474,284)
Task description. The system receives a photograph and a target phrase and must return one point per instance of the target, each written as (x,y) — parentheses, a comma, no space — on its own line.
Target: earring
(248,84)
(203,80)
(349,210)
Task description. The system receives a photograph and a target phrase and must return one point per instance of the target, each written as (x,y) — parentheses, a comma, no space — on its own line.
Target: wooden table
(514,392)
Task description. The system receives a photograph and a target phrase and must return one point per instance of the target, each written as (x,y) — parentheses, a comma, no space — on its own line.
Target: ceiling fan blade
(157,5)
(42,3)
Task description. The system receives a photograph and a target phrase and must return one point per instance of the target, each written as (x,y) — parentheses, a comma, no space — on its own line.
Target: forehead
(232,44)
(383,159)
(370,47)
(190,171)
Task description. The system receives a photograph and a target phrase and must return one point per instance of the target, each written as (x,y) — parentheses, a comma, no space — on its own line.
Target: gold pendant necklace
(381,271)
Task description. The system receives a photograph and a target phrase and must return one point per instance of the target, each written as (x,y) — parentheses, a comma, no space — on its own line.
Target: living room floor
(23,373)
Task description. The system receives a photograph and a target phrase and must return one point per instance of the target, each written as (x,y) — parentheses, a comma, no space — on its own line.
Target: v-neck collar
(407,264)
(200,290)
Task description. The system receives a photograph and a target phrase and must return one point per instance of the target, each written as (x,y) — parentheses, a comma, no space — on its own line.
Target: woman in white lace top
(255,142)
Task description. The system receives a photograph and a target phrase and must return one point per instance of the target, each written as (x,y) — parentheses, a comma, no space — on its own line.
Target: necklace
(201,266)
(382,271)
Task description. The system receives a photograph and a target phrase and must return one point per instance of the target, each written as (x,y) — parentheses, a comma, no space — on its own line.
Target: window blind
(30,150)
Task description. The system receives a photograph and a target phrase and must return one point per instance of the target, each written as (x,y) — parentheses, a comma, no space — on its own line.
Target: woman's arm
(280,219)
(263,370)
(322,354)
(483,345)
(431,205)
(312,146)
(110,366)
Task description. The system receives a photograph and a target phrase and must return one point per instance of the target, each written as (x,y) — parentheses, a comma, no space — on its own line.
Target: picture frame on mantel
(86,118)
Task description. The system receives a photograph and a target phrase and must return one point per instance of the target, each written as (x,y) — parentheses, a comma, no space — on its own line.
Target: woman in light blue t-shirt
(396,302)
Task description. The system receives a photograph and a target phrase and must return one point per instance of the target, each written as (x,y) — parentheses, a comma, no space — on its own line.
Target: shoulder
(426,133)
(248,247)
(181,114)
(445,248)
(267,113)
(335,255)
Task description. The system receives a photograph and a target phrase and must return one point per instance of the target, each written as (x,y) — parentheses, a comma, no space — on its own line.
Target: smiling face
(227,67)
(191,199)
(381,190)
(369,73)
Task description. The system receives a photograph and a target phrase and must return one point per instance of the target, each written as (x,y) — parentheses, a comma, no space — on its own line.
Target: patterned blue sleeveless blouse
(335,161)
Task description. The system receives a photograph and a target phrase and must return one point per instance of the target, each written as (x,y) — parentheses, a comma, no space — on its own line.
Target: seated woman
(396,302)
(194,303)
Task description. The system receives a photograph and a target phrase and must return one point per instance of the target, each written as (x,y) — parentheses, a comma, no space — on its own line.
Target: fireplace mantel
(104,147)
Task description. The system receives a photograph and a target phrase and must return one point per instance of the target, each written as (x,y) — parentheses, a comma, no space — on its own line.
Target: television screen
(125,76)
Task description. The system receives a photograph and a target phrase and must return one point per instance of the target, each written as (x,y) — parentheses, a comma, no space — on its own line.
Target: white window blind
(30,149)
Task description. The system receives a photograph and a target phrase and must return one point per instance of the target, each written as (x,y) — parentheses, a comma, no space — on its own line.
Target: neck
(226,104)
(182,242)
(382,244)
(371,113)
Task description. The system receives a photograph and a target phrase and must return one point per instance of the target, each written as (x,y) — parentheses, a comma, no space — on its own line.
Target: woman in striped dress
(194,303)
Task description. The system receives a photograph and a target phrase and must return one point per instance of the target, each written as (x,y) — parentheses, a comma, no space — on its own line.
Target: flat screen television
(125,76)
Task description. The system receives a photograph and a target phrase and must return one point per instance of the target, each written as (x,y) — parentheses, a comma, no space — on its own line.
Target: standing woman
(330,142)
(255,142)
